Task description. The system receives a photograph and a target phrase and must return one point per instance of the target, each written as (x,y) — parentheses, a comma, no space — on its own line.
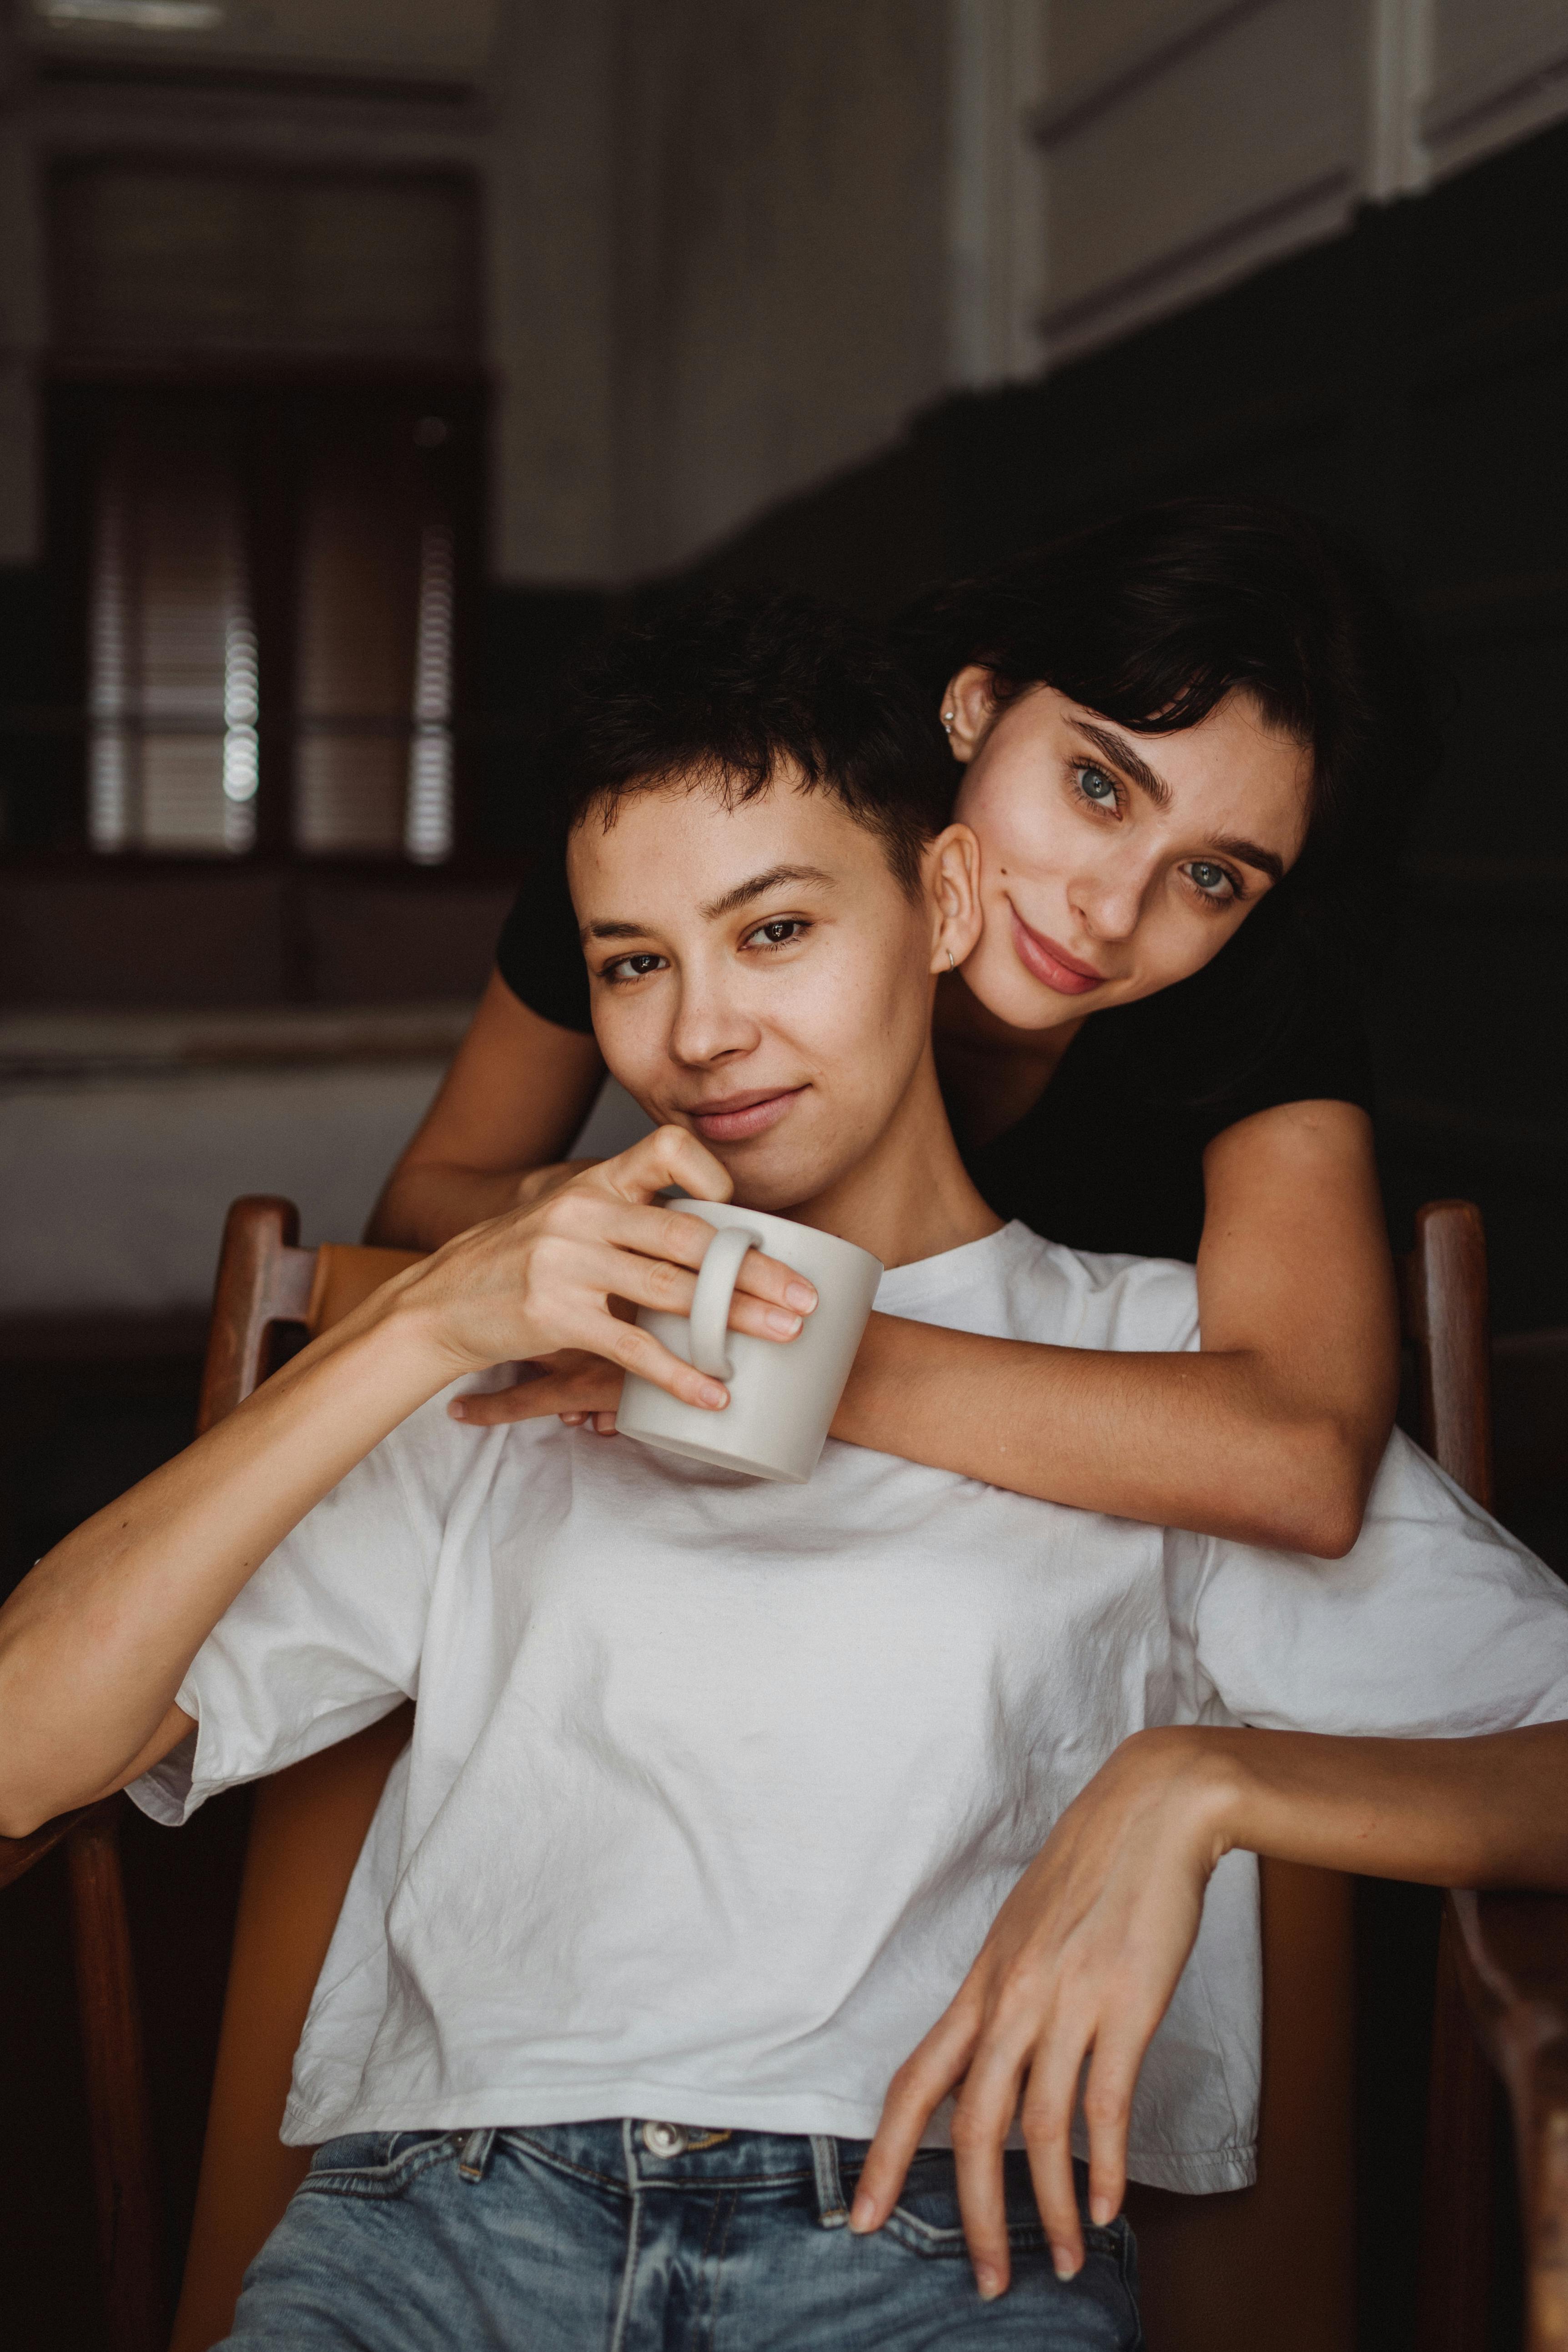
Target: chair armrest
(1512,1957)
(17,1855)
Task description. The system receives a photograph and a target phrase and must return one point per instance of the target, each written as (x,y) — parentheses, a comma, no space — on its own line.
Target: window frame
(279,415)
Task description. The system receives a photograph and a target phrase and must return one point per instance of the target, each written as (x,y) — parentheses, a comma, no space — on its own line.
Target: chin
(778,1181)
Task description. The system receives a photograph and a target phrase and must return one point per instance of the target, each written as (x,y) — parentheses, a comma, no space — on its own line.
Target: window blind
(376,660)
(353,671)
(174,691)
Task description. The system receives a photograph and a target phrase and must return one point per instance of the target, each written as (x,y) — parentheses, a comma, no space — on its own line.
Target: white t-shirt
(715,1787)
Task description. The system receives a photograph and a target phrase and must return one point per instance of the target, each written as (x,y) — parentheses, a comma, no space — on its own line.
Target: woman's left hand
(574,1385)
(1080,1962)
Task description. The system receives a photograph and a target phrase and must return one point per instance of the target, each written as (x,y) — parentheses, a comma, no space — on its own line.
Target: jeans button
(664,2139)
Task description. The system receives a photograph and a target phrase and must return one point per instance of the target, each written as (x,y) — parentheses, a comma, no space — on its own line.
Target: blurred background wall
(357,355)
(354,357)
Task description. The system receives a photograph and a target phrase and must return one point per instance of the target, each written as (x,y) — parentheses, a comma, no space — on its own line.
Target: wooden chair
(1266,2265)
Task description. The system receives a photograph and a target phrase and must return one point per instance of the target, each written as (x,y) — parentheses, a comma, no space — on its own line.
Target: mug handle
(716,1282)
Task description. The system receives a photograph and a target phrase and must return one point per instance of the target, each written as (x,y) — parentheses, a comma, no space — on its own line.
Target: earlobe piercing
(951,965)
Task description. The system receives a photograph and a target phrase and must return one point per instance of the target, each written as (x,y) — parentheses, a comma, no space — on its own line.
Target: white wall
(734,246)
(1183,143)
(550,275)
(781,248)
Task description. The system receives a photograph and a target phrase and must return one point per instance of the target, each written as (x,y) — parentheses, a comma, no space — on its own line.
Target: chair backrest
(1268,2265)
(307,1824)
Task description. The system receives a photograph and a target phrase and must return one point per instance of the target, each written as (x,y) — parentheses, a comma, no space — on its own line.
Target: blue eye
(1096,786)
(1207,876)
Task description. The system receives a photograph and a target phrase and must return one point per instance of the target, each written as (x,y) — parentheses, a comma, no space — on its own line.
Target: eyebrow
(1117,748)
(756,887)
(1249,854)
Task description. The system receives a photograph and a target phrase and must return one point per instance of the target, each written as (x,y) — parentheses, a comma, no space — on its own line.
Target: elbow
(22,1810)
(1311,1493)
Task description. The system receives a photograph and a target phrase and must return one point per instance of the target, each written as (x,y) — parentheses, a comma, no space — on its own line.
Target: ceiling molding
(1319,208)
(1058,118)
(1515,92)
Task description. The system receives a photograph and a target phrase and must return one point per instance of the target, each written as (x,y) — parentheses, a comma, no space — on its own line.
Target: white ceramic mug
(783,1392)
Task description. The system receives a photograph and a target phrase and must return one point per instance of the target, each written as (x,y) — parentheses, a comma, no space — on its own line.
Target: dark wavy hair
(1152,619)
(723,689)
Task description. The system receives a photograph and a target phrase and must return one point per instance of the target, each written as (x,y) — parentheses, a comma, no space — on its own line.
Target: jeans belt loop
(831,2210)
(474,2160)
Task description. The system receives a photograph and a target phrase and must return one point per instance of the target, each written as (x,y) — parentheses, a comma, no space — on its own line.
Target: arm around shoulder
(1296,1288)
(1270,1436)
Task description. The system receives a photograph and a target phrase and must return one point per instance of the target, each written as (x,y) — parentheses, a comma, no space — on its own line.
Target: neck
(910,1197)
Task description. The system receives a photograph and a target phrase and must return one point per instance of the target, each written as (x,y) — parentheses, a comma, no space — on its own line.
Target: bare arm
(96,1641)
(1271,1435)
(1084,1955)
(518,1090)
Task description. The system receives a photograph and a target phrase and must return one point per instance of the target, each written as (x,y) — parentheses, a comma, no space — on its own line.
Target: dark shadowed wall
(1407,381)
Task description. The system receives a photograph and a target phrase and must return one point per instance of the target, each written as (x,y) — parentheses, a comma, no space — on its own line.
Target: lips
(1051,963)
(733,1117)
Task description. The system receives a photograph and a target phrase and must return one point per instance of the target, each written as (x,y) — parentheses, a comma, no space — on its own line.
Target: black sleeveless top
(1110,1157)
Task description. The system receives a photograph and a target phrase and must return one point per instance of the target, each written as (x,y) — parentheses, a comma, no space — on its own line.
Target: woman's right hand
(549,1276)
(538,1185)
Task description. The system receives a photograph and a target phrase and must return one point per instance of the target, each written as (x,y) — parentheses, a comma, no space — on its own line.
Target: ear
(952,872)
(967,711)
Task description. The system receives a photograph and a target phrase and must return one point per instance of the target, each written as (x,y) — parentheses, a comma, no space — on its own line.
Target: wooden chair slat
(17,1855)
(263,1278)
(124,2166)
(1511,1955)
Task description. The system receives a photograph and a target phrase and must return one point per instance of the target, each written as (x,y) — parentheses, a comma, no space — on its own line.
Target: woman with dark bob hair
(1185,742)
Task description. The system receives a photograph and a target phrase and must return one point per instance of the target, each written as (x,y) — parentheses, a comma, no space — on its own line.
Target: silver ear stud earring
(947,718)
(951,965)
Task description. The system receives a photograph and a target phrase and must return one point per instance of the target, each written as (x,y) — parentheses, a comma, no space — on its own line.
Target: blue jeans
(587,2238)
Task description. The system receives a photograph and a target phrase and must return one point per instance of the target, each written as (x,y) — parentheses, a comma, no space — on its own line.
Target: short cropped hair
(725,690)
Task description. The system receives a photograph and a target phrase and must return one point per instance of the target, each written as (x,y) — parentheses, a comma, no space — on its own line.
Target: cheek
(631,1034)
(861,1016)
(1019,829)
(1178,939)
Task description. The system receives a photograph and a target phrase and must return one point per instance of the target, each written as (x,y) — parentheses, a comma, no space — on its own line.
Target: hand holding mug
(781,1398)
(549,1279)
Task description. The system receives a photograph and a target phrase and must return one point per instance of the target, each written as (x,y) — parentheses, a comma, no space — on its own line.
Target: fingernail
(1063,2264)
(457,1410)
(785,1325)
(800,1294)
(711,1393)
(1100,2211)
(988,2282)
(862,2213)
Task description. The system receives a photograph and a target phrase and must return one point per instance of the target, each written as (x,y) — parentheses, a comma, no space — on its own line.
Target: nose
(710,1025)
(1109,900)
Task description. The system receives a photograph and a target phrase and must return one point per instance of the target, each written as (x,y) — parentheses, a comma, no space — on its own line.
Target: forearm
(95,1642)
(1489,1811)
(518,1091)
(1212,1442)
(426,1202)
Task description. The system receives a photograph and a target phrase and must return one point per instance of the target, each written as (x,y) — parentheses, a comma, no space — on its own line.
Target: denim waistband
(637,2153)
